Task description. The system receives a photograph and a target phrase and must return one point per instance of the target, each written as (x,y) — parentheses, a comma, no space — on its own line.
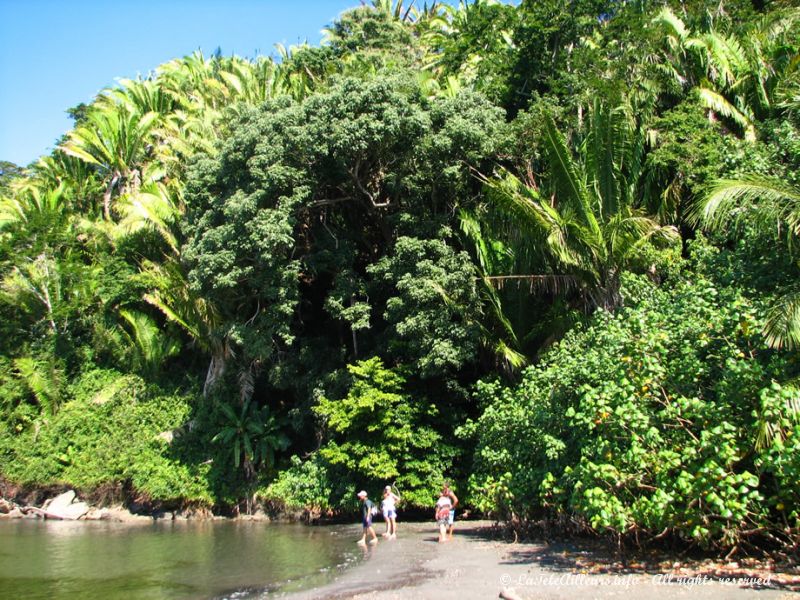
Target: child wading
(446,491)
(366,518)
(443,507)
(389,511)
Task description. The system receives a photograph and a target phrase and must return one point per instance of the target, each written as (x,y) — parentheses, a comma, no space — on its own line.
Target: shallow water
(168,560)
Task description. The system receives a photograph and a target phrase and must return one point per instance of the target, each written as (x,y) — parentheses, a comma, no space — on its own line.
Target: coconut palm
(771,206)
(585,222)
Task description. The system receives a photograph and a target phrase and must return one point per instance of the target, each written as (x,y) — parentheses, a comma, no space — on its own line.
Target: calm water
(94,560)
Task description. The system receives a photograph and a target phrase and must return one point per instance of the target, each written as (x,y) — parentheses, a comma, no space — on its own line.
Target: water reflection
(167,559)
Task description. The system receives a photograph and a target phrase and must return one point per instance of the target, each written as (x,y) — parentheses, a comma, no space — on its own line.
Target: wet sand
(475,564)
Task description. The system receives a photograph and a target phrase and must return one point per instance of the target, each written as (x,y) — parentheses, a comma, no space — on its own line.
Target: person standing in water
(446,491)
(443,507)
(366,519)
(389,510)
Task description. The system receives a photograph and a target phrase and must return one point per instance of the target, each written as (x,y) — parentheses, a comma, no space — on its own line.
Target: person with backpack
(389,510)
(367,511)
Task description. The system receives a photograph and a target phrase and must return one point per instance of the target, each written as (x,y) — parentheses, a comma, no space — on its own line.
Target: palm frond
(769,202)
(247,383)
(43,379)
(151,207)
(554,284)
(673,25)
(782,326)
(153,346)
(570,187)
(719,104)
(533,215)
(606,148)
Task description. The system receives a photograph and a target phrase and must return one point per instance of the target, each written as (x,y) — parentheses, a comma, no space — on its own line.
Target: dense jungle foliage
(544,250)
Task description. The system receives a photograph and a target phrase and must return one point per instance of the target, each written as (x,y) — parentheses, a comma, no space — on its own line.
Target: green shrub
(377,435)
(109,433)
(304,485)
(644,421)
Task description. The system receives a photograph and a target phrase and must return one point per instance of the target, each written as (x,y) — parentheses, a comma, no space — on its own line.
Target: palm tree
(771,206)
(33,207)
(467,32)
(115,139)
(153,207)
(44,378)
(491,257)
(197,317)
(150,346)
(142,96)
(587,223)
(735,75)
(252,435)
(188,78)
(76,178)
(292,77)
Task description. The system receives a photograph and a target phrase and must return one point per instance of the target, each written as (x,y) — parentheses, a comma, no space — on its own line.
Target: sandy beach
(476,564)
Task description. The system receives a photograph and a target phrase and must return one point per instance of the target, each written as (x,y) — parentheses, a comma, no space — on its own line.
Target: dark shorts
(366,522)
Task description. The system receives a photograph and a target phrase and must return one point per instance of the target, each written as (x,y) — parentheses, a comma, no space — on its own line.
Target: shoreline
(66,504)
(475,564)
(478,564)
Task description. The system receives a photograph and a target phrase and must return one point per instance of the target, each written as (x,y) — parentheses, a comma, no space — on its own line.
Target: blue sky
(55,54)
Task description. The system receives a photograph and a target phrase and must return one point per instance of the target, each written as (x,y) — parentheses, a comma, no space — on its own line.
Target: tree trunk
(353,331)
(216,368)
(609,296)
(107,195)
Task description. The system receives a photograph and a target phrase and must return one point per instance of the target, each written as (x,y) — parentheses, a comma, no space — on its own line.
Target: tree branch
(327,202)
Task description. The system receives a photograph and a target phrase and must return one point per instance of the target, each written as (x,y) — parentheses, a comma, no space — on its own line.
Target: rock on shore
(67,507)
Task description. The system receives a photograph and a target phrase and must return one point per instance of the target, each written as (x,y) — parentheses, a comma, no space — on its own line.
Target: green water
(213,559)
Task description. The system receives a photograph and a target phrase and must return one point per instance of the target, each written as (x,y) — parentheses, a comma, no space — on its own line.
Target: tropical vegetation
(546,251)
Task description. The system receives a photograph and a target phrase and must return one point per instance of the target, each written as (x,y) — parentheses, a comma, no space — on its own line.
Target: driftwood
(35,510)
(62,507)
(10,509)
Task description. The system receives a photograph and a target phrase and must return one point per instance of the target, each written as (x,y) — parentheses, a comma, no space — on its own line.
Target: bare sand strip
(476,565)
